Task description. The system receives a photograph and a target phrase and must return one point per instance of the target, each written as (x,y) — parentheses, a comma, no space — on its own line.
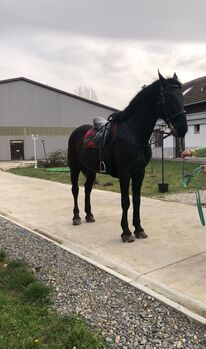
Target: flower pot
(163,187)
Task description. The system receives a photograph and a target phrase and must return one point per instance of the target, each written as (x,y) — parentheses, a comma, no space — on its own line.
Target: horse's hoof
(140,234)
(90,219)
(77,221)
(127,238)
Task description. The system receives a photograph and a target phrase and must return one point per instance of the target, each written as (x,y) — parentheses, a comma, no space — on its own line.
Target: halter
(169,117)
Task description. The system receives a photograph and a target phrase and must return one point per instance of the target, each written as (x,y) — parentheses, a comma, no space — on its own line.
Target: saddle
(100,136)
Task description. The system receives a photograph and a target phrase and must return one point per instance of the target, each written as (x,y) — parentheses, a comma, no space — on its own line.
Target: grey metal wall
(52,143)
(26,108)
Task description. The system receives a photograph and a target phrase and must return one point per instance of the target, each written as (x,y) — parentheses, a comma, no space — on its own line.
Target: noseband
(168,116)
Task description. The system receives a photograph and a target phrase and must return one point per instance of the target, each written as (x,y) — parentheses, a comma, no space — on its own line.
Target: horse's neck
(142,121)
(137,120)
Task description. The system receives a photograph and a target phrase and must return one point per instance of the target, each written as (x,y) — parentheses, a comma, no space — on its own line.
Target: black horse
(128,151)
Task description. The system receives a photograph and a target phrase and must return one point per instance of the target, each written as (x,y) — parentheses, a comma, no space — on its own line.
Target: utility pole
(44,148)
(35,137)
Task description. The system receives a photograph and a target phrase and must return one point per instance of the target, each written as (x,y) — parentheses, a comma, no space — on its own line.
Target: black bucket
(163,187)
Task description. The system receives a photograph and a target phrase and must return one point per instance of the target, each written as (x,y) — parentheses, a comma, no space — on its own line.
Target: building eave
(59,91)
(194,103)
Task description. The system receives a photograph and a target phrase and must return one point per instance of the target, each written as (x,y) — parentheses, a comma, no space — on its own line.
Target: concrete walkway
(172,261)
(6,165)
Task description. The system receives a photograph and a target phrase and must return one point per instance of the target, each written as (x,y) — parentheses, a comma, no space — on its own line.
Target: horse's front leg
(125,202)
(136,197)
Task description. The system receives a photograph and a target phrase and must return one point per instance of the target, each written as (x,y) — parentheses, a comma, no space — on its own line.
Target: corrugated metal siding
(28,131)
(51,144)
(26,108)
(25,104)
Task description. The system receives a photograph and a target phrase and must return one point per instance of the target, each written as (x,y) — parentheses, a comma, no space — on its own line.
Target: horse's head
(171,106)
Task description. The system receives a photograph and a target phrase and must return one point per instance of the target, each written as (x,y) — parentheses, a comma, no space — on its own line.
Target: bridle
(168,116)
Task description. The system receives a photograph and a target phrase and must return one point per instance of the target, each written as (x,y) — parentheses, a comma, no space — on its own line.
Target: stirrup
(102,167)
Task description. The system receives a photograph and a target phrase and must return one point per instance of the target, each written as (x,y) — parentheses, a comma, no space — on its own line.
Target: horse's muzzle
(180,131)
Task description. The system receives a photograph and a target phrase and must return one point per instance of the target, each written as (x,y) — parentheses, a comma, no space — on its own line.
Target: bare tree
(86,92)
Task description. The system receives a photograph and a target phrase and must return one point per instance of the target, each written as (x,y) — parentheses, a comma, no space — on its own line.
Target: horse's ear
(161,78)
(175,76)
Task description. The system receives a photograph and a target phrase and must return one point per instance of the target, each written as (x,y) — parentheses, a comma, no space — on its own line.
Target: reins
(167,134)
(169,117)
(186,178)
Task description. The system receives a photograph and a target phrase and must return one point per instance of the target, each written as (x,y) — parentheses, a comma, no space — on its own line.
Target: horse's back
(78,133)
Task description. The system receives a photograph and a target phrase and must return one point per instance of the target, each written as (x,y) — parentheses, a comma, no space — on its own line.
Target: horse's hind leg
(90,178)
(75,191)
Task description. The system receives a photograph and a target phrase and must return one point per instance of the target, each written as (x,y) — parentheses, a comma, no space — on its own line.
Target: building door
(17,150)
(180,146)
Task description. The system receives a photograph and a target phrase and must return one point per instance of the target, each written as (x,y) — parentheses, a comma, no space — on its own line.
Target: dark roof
(196,93)
(59,91)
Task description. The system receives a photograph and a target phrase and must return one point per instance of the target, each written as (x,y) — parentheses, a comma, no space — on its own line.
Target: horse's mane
(139,98)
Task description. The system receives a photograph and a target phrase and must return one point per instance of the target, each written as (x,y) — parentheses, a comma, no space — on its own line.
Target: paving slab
(172,261)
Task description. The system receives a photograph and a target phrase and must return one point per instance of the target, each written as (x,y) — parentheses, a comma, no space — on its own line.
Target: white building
(195,105)
(28,107)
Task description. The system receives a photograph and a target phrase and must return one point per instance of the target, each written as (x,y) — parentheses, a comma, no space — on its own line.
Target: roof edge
(21,78)
(198,102)
(194,81)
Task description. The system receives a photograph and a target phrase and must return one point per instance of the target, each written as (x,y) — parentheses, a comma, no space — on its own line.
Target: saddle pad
(101,137)
(88,141)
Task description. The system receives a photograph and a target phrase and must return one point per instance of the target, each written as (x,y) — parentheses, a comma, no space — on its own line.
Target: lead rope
(186,180)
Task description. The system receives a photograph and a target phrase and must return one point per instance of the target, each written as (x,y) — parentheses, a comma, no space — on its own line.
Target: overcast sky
(112,46)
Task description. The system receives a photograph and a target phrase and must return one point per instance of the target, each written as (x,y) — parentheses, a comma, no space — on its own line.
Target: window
(197,128)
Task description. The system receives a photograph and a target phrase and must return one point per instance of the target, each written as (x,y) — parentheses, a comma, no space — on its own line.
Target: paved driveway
(172,261)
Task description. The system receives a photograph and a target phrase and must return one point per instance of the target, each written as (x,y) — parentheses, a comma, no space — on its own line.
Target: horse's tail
(75,145)
(71,154)
(68,158)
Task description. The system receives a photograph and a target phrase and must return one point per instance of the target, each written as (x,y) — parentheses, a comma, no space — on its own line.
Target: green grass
(27,321)
(150,185)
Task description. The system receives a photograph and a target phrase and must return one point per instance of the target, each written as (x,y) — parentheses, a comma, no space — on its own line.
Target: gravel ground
(124,315)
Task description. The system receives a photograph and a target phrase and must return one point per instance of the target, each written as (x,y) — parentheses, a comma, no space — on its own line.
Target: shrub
(58,158)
